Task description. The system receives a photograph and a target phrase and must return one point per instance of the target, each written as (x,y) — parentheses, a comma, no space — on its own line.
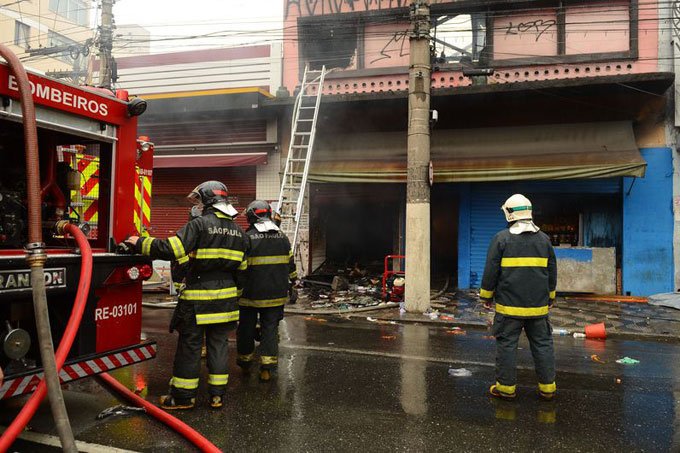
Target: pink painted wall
(602,27)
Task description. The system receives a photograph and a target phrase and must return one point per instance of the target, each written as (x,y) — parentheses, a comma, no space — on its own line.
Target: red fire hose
(185,430)
(27,412)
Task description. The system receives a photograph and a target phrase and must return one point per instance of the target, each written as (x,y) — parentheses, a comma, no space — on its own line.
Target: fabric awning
(561,151)
(208,160)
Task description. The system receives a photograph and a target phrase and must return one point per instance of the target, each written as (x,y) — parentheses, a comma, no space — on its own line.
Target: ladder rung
(305,119)
(303,133)
(306,107)
(294,173)
(292,159)
(299,146)
(287,216)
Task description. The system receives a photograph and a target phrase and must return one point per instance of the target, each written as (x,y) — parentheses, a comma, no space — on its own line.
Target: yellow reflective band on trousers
(146,245)
(547,388)
(507,389)
(218,379)
(524,262)
(269,360)
(262,303)
(209,294)
(219,254)
(522,312)
(246,357)
(553,294)
(177,247)
(263,260)
(243,266)
(485,294)
(216,318)
(182,383)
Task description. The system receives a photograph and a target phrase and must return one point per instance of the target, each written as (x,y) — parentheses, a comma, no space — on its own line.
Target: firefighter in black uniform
(271,271)
(208,305)
(521,275)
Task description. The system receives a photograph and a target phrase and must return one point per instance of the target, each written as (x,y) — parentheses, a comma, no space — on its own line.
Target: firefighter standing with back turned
(521,275)
(208,305)
(271,271)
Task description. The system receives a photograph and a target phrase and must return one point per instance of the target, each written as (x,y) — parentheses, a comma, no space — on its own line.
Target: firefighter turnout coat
(217,247)
(270,269)
(520,274)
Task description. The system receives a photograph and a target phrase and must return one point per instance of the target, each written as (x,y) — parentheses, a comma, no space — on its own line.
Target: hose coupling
(35,254)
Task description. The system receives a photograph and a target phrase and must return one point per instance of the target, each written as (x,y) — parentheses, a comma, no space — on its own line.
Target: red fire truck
(96,173)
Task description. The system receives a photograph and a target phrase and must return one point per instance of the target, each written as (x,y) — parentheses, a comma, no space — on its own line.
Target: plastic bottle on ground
(579,335)
(560,332)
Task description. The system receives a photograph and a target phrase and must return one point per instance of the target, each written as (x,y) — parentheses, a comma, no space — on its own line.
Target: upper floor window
(73,10)
(22,35)
(566,33)
(460,38)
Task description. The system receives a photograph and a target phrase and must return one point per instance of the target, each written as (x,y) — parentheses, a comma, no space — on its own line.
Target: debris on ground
(312,318)
(596,358)
(456,331)
(388,337)
(460,372)
(119,410)
(627,361)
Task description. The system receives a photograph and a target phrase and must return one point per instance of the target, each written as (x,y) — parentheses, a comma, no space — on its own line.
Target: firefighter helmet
(517,207)
(259,215)
(213,194)
(276,217)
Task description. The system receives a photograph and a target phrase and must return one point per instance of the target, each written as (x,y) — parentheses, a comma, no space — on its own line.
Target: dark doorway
(444,233)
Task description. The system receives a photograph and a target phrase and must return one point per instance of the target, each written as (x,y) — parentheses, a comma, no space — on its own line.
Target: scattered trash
(119,410)
(371,319)
(402,308)
(627,361)
(432,314)
(312,318)
(560,332)
(618,380)
(489,337)
(596,358)
(388,337)
(460,372)
(579,335)
(446,318)
(456,331)
(670,300)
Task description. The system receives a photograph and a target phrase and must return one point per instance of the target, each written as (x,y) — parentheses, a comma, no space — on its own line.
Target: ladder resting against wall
(303,131)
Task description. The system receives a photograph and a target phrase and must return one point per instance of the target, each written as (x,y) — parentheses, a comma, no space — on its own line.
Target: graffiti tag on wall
(395,46)
(539,27)
(305,8)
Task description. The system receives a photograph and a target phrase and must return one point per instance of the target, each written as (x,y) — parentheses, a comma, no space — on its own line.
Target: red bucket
(595,331)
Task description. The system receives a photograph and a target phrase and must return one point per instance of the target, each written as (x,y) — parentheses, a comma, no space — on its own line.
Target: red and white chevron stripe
(71,372)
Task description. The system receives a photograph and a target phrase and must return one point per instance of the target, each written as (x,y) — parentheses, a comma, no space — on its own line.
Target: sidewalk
(638,321)
(622,320)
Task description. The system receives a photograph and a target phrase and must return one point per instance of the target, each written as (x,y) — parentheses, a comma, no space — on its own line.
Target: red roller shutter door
(169,207)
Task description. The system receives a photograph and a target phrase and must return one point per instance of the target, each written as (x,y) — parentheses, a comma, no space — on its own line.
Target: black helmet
(208,193)
(258,211)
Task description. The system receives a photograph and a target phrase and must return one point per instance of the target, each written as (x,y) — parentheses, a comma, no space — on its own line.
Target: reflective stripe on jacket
(520,273)
(217,246)
(271,268)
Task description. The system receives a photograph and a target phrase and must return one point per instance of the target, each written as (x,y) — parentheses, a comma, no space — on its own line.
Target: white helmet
(517,207)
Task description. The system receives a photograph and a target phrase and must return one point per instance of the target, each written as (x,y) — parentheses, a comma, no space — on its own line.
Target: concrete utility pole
(417,295)
(106,44)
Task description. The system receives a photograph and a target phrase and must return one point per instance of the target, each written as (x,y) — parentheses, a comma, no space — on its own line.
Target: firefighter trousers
(269,326)
(539,332)
(187,365)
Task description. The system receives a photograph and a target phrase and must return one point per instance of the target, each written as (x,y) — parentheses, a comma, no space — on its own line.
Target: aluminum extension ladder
(303,131)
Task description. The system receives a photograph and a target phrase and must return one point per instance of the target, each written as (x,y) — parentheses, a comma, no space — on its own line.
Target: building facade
(206,118)
(574,115)
(52,36)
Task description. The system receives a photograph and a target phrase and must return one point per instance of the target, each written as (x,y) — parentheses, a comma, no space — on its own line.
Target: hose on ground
(27,412)
(177,425)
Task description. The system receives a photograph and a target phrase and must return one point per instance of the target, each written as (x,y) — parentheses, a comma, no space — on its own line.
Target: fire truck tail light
(145,271)
(133,273)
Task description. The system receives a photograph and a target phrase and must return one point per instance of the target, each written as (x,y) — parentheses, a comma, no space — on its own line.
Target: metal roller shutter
(169,207)
(486,218)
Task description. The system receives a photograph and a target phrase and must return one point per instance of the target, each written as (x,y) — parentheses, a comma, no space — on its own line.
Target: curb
(481,326)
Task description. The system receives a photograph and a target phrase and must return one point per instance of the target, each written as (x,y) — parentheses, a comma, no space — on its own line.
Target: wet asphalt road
(359,385)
